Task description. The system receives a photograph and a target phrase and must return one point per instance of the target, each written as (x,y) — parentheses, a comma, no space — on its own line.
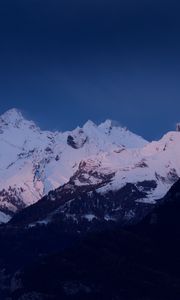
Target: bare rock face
(77,140)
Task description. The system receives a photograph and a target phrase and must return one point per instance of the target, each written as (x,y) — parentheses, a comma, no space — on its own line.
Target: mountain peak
(89,124)
(12,115)
(14,118)
(107,124)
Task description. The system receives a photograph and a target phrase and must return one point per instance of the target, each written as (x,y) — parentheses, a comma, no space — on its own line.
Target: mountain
(121,187)
(116,170)
(33,162)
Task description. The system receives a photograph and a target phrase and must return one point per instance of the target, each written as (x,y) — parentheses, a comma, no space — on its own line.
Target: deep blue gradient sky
(65,61)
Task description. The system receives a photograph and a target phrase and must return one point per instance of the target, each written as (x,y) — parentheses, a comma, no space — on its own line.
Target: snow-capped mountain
(33,162)
(104,162)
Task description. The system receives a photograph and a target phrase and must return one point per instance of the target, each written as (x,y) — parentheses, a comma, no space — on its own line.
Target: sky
(64,62)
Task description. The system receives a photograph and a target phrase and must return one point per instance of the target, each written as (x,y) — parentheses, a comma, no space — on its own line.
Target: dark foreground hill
(141,262)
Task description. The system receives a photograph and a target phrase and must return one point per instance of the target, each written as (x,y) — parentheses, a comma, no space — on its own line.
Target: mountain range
(91,213)
(92,172)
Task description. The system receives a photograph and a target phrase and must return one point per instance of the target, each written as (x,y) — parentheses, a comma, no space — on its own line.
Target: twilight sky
(65,61)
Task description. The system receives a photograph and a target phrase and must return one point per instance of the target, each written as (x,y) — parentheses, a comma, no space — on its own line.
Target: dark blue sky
(65,61)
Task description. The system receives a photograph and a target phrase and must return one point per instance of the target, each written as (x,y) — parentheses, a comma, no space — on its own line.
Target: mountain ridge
(105,158)
(27,152)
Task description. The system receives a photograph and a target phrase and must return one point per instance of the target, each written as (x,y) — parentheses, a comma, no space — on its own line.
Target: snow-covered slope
(33,162)
(157,161)
(107,158)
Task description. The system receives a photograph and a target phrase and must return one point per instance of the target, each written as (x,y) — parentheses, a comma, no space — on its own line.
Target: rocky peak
(11,116)
(89,125)
(109,123)
(14,118)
